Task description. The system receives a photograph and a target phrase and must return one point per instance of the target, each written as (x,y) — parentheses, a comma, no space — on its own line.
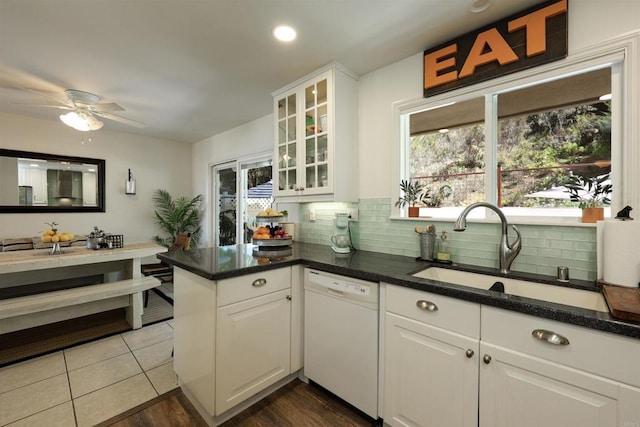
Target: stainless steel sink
(523,288)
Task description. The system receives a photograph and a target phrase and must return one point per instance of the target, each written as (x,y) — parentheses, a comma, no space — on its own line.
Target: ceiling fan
(84,110)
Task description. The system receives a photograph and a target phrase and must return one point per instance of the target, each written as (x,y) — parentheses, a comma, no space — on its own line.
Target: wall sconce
(130,184)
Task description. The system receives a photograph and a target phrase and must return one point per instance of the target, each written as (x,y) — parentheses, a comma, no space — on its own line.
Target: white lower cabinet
(253,344)
(520,390)
(539,372)
(431,373)
(235,337)
(516,371)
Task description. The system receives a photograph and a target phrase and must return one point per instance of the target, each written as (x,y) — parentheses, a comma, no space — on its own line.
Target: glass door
(225,209)
(287,140)
(316,153)
(257,194)
(241,190)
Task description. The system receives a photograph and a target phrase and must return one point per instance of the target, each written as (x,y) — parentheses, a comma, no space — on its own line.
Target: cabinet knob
(289,297)
(426,305)
(486,359)
(550,337)
(259,282)
(469,353)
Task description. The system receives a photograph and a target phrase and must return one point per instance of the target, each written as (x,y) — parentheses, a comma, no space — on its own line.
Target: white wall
(238,143)
(155,163)
(590,22)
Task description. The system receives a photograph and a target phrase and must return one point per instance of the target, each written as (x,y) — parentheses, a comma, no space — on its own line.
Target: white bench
(44,308)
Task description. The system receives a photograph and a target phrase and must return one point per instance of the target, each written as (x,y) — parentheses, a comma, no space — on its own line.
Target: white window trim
(622,53)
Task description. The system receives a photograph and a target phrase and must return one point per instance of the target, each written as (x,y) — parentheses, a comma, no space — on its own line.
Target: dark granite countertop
(232,261)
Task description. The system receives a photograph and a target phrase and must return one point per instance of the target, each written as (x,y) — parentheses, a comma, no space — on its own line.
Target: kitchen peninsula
(38,288)
(222,295)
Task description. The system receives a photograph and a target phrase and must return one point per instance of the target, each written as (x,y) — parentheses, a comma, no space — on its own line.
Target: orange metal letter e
(439,60)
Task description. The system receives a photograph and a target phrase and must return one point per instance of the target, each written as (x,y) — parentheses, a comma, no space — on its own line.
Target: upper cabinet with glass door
(317,137)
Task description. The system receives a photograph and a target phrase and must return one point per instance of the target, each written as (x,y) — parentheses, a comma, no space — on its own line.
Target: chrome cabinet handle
(289,297)
(469,353)
(259,282)
(550,337)
(486,359)
(426,305)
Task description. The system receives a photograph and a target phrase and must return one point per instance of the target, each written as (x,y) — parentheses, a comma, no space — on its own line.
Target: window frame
(622,54)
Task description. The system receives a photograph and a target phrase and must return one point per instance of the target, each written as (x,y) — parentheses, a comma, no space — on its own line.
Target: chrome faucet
(507,252)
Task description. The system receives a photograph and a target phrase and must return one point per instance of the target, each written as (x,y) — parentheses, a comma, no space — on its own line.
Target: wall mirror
(38,182)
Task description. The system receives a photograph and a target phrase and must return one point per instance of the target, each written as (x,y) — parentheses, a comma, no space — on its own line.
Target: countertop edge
(562,313)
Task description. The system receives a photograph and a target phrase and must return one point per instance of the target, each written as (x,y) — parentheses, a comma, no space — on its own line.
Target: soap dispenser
(443,253)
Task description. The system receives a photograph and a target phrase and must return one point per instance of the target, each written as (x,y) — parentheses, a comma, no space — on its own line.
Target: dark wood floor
(296,404)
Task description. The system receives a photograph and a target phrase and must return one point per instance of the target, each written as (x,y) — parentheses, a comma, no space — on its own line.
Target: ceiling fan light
(74,120)
(81,121)
(94,124)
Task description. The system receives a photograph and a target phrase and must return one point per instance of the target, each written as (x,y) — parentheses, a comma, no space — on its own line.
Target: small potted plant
(592,194)
(413,195)
(439,196)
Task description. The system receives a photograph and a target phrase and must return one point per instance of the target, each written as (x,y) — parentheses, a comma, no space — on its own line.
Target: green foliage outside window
(536,152)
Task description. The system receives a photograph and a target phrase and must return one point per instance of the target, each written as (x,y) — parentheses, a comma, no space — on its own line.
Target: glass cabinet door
(287,138)
(316,153)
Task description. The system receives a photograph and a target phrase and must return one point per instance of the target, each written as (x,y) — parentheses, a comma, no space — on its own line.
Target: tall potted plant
(413,195)
(592,193)
(180,215)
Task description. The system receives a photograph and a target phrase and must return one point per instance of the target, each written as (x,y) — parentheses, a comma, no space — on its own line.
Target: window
(514,147)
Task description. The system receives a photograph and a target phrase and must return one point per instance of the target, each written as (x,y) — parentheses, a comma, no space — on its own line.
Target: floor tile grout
(73,400)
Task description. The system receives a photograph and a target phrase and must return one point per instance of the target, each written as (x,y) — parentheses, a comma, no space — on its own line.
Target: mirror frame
(59,209)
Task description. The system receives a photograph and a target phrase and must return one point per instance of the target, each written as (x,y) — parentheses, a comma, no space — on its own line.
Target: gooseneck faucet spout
(507,252)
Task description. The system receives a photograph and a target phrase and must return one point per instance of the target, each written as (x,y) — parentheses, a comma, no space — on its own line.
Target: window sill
(511,219)
(572,222)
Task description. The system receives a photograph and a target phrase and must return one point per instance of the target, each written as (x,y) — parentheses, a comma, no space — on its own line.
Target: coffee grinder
(341,241)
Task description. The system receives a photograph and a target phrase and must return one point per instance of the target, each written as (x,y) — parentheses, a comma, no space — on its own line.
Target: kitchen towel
(620,252)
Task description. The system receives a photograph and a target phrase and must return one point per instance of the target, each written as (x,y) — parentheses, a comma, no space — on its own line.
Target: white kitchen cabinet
(431,373)
(194,325)
(253,347)
(585,380)
(233,337)
(89,189)
(316,137)
(37,180)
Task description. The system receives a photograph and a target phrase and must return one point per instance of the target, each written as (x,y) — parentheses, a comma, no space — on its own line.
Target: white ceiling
(190,69)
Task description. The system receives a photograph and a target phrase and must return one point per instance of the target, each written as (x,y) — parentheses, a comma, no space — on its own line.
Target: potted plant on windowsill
(592,193)
(439,196)
(413,195)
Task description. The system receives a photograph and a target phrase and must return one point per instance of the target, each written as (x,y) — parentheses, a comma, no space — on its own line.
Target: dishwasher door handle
(335,292)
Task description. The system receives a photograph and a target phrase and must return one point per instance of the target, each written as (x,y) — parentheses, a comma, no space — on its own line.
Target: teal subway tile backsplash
(544,247)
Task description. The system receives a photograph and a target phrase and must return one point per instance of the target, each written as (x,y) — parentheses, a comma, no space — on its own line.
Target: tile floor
(86,384)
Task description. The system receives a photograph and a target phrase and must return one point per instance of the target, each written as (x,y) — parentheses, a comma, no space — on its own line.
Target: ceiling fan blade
(119,119)
(106,106)
(60,107)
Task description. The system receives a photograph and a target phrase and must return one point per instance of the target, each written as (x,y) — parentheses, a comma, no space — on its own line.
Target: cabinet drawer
(448,313)
(253,285)
(601,353)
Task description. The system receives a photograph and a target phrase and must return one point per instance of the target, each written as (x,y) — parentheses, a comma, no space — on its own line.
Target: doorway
(242,188)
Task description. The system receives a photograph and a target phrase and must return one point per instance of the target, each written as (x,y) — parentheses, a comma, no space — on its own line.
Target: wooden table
(85,279)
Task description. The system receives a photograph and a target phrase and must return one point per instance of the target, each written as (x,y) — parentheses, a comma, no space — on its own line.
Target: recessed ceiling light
(605,97)
(478,6)
(443,130)
(284,33)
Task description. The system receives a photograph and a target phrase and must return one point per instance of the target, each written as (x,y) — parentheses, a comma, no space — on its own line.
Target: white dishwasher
(341,337)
